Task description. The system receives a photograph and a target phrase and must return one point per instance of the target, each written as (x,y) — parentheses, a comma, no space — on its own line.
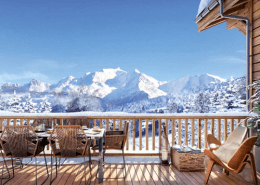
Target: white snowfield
(122,114)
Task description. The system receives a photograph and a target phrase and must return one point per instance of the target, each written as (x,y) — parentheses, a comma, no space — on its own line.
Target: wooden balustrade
(194,132)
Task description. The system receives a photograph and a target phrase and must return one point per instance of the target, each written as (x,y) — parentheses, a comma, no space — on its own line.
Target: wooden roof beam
(214,14)
(241,26)
(215,23)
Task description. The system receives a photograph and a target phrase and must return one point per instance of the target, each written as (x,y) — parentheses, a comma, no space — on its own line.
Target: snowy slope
(190,83)
(133,86)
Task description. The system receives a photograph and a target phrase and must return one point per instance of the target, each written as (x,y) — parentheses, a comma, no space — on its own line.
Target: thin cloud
(229,59)
(241,51)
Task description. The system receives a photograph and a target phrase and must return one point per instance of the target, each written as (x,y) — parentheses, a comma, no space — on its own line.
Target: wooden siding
(137,174)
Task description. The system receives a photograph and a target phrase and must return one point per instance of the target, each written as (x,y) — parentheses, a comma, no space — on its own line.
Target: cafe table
(93,135)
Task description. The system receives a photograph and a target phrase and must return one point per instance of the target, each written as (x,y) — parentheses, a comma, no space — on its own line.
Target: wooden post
(186,132)
(192,132)
(153,134)
(140,134)
(15,122)
(147,134)
(114,124)
(179,132)
(2,124)
(127,138)
(231,125)
(199,133)
(22,122)
(120,124)
(205,133)
(212,126)
(28,121)
(134,134)
(100,123)
(166,132)
(8,122)
(225,130)
(160,132)
(107,121)
(173,131)
(219,130)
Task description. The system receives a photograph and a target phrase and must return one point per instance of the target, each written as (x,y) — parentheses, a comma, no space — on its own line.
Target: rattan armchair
(115,140)
(22,142)
(69,142)
(237,162)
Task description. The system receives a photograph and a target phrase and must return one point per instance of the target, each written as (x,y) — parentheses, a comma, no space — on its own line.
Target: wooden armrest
(212,140)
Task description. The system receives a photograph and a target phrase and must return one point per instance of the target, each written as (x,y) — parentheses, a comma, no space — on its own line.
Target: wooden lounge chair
(22,142)
(238,135)
(69,142)
(237,162)
(115,140)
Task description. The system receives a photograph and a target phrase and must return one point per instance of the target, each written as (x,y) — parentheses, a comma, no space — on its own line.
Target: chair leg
(124,162)
(253,170)
(36,170)
(46,168)
(89,164)
(209,168)
(226,172)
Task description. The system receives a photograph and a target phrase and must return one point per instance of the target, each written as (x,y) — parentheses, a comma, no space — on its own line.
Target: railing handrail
(120,115)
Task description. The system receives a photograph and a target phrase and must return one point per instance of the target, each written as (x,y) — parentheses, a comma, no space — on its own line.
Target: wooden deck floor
(136,174)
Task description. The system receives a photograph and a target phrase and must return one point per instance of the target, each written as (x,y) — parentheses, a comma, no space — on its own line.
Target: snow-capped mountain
(36,86)
(194,83)
(133,86)
(118,85)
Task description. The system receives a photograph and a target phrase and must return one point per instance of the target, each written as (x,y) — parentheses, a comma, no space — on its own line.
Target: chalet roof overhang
(210,16)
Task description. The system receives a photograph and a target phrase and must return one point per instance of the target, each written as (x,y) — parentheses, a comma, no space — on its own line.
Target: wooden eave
(231,7)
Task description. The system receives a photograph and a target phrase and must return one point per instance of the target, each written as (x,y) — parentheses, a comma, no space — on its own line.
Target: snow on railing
(145,129)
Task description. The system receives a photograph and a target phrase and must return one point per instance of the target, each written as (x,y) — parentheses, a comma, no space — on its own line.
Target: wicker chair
(4,165)
(115,140)
(48,122)
(22,142)
(237,162)
(69,142)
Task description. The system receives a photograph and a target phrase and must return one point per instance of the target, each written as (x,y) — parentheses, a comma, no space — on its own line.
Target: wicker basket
(188,161)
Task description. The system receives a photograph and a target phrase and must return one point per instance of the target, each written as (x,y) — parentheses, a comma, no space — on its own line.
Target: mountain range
(118,85)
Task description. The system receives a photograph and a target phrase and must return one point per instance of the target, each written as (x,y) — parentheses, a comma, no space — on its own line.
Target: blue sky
(51,39)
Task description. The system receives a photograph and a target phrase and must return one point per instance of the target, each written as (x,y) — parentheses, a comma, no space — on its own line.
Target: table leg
(100,177)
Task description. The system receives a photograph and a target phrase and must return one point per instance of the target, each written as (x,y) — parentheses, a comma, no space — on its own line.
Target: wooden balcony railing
(193,132)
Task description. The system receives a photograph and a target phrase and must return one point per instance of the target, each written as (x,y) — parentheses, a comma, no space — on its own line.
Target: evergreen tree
(45,106)
(29,106)
(14,104)
(172,106)
(201,103)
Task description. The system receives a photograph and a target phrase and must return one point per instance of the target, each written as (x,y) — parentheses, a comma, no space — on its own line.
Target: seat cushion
(226,151)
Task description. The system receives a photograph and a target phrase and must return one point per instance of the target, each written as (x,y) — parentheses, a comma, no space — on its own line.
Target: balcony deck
(136,174)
